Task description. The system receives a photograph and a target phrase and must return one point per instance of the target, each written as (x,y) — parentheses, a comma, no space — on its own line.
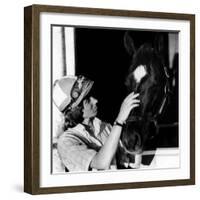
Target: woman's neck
(88,121)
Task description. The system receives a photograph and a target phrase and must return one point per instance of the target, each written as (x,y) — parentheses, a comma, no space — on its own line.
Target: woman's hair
(74,116)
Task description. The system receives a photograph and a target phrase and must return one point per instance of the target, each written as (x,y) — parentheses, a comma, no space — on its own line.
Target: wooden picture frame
(33,106)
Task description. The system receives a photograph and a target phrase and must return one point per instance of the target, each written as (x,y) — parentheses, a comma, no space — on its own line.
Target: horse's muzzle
(131,143)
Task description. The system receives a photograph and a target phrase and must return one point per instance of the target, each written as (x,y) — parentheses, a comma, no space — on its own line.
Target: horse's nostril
(131,144)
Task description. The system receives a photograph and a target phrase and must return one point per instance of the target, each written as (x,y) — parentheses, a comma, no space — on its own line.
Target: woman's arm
(103,158)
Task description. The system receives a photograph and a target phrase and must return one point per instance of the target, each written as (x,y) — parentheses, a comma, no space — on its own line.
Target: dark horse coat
(147,76)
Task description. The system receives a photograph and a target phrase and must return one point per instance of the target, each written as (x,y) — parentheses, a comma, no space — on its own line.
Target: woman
(88,143)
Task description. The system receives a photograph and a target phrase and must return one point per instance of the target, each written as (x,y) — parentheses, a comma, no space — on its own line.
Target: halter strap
(140,118)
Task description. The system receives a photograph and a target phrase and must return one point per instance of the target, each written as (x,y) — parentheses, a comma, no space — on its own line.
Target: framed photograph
(109,99)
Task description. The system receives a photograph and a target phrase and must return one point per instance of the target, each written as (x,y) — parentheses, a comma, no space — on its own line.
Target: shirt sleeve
(75,154)
(105,130)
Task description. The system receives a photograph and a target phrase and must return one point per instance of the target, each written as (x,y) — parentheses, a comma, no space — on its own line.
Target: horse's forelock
(139,59)
(147,57)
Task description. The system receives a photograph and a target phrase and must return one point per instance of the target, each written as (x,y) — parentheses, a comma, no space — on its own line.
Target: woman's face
(90,107)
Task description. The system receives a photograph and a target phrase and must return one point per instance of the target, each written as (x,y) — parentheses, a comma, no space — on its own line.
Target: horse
(147,75)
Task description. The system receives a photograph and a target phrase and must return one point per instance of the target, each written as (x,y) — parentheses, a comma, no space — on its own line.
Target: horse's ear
(129,44)
(159,43)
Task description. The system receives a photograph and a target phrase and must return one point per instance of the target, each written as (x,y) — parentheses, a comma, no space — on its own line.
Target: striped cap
(69,91)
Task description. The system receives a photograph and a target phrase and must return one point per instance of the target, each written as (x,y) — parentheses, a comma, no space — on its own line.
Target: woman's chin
(90,116)
(93,116)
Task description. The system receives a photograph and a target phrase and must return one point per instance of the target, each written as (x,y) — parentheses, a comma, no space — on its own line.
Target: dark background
(102,57)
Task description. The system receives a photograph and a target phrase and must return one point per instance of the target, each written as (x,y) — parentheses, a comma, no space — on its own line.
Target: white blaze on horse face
(139,73)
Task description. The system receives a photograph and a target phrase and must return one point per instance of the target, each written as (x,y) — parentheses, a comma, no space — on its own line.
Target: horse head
(147,76)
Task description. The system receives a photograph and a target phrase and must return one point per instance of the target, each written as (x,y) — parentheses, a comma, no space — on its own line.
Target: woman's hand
(127,105)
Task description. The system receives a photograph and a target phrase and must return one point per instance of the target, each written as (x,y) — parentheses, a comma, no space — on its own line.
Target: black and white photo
(120,62)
